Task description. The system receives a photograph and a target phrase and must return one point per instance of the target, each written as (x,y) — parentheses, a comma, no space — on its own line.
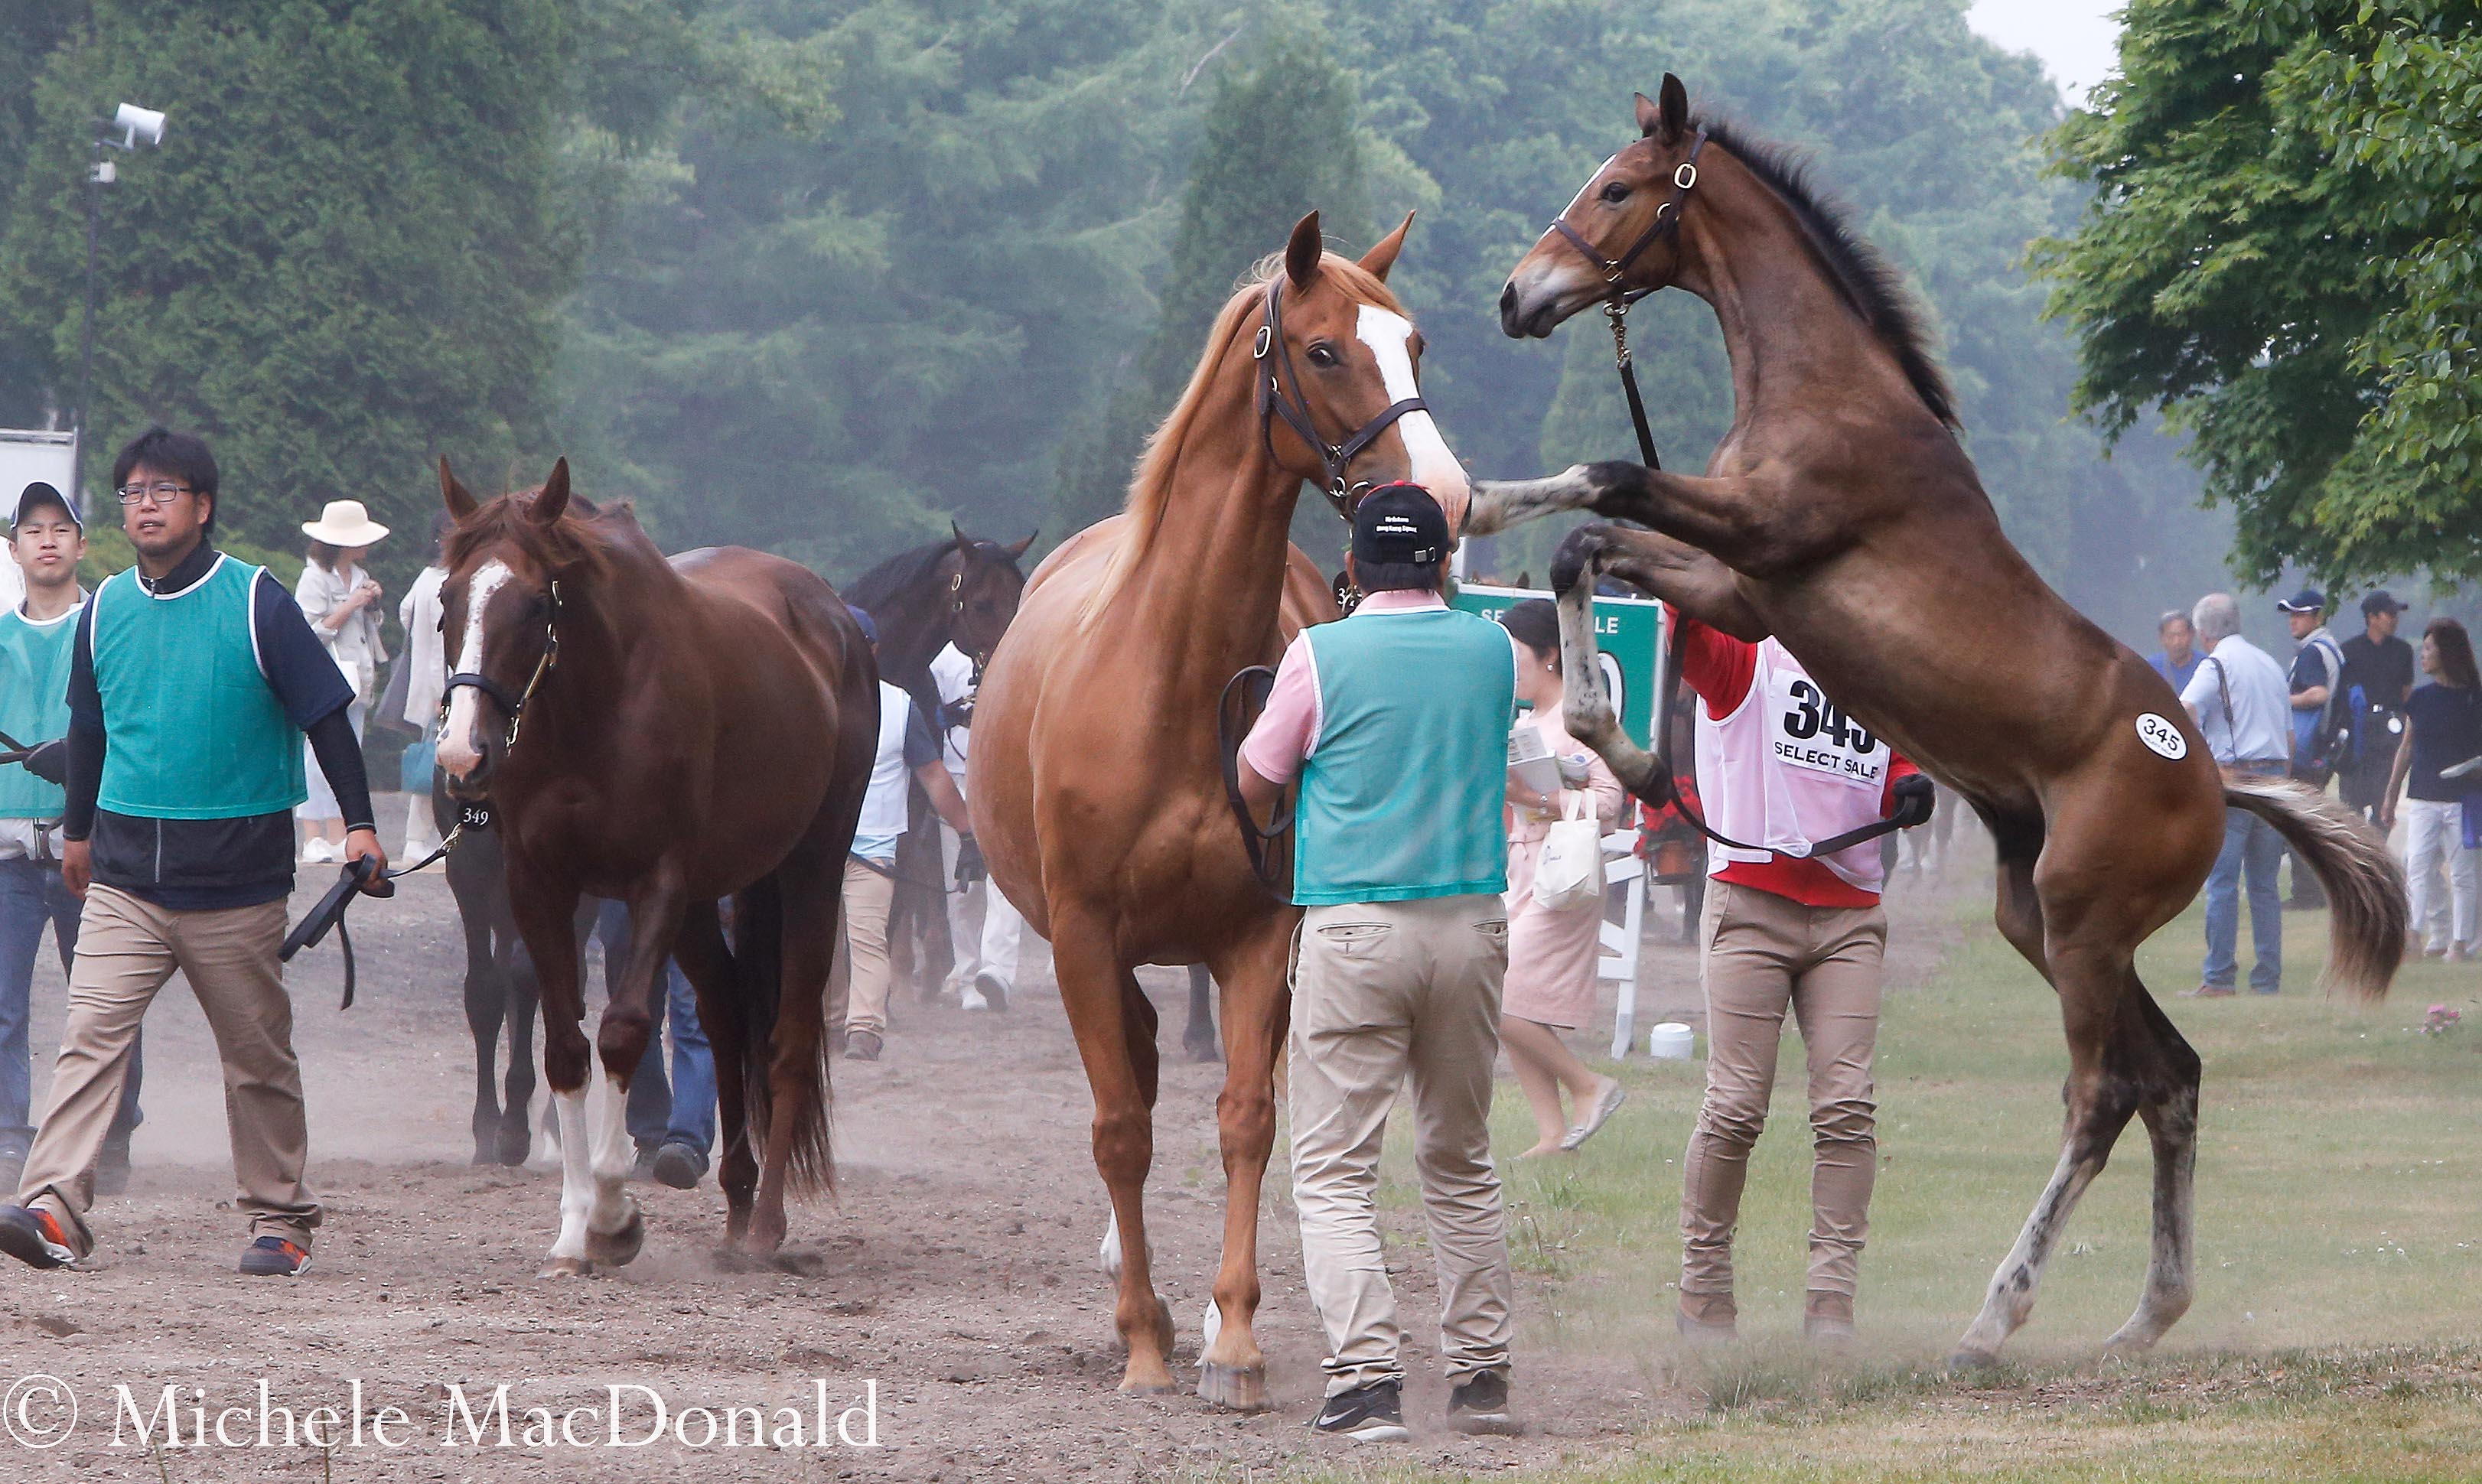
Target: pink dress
(1551,955)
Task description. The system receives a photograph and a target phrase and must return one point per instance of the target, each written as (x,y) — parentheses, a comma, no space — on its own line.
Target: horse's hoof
(1157,1382)
(1973,1363)
(514,1148)
(567,1267)
(1235,1388)
(1202,1048)
(614,1249)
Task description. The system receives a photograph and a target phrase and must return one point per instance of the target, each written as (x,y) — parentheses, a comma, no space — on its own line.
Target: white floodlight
(137,125)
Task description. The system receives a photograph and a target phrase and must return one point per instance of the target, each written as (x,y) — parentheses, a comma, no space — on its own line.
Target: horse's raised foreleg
(1100,994)
(1232,1372)
(1747,524)
(1198,1038)
(1587,709)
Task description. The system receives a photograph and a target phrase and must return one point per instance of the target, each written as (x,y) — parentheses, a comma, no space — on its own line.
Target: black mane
(1874,288)
(895,577)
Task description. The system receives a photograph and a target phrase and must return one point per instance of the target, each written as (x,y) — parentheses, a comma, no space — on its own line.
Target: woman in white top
(425,680)
(342,604)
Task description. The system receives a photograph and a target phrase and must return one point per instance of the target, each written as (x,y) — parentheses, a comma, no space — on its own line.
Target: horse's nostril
(1508,298)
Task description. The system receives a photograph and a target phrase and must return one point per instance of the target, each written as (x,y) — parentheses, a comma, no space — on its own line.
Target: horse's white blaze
(1390,336)
(576,1175)
(457,751)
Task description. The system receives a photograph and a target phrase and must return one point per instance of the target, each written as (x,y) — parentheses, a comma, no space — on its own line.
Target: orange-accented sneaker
(273,1257)
(33,1235)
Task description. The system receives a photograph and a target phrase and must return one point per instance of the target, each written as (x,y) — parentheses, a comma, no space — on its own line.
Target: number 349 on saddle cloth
(1809,731)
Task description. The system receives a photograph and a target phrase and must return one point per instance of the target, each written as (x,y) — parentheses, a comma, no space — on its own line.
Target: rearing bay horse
(663,733)
(1098,796)
(1840,514)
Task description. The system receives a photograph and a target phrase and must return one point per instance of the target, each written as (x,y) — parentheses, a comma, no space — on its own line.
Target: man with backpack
(2320,719)
(2378,683)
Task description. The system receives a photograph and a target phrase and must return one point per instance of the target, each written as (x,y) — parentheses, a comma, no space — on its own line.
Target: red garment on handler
(1721,669)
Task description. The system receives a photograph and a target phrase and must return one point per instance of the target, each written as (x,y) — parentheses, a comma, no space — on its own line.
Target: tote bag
(1570,870)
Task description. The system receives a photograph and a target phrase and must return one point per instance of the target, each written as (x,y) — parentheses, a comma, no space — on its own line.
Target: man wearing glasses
(192,680)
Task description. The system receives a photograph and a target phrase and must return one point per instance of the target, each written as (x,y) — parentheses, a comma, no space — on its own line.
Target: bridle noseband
(514,705)
(1279,395)
(1618,296)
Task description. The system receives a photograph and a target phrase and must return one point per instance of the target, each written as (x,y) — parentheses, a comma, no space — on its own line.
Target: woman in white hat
(342,604)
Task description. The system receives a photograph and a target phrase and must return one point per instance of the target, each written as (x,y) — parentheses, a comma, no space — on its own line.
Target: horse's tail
(2365,891)
(759,964)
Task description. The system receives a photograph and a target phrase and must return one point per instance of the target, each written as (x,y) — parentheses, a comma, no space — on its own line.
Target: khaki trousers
(1385,993)
(862,1003)
(127,948)
(1765,952)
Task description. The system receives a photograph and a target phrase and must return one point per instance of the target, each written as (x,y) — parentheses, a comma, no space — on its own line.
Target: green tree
(2279,252)
(343,261)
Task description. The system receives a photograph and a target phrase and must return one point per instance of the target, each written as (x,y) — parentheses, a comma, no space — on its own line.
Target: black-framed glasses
(164,492)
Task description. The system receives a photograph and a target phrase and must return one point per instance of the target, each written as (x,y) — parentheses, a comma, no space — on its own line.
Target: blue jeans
(2252,847)
(681,1110)
(32,896)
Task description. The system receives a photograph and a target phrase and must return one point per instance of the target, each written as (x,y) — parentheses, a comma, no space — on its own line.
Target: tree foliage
(2280,251)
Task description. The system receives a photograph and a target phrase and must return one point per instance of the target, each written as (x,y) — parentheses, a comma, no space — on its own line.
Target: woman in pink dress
(1550,984)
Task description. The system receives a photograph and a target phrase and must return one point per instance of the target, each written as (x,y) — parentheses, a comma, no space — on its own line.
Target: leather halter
(514,705)
(1279,395)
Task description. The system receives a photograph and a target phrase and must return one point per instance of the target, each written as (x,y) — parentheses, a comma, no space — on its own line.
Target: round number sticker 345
(2161,735)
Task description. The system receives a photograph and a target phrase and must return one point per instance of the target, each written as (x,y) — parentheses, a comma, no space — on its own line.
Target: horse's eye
(1617,191)
(1322,353)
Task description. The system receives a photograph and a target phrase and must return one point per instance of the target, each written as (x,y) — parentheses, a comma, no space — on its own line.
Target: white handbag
(1568,873)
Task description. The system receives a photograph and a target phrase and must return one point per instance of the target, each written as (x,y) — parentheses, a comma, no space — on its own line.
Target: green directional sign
(1627,631)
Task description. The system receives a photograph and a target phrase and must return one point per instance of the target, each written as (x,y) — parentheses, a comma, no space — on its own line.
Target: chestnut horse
(1840,514)
(1098,796)
(665,734)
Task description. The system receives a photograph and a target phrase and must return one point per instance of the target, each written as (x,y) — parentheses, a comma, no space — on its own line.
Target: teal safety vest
(192,730)
(1401,796)
(33,705)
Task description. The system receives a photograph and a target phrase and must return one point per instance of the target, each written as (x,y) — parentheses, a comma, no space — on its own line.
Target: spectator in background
(984,928)
(2178,660)
(426,681)
(2317,706)
(2378,681)
(342,604)
(1549,986)
(670,1119)
(2238,700)
(2442,730)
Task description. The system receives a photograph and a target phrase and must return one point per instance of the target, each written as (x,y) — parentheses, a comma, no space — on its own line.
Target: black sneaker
(273,1257)
(1479,1404)
(1366,1414)
(861,1045)
(994,993)
(33,1236)
(678,1166)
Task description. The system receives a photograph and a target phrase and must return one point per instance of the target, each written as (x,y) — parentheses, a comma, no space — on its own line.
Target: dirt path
(955,1269)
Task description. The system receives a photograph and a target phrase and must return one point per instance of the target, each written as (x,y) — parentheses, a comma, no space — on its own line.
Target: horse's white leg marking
(2011,1297)
(1500,504)
(612,1159)
(1111,1250)
(457,751)
(576,1175)
(1390,336)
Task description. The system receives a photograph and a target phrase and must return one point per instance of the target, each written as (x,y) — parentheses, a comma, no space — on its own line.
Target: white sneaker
(319,852)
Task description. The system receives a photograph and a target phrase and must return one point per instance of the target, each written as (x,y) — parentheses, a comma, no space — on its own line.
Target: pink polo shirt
(1287,731)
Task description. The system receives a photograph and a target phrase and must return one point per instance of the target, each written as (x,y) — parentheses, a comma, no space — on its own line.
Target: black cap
(2382,601)
(1400,524)
(2309,600)
(40,493)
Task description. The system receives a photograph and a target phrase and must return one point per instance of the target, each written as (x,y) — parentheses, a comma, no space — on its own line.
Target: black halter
(514,705)
(1279,395)
(1618,296)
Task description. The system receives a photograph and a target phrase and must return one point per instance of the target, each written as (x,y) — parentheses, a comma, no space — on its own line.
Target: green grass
(2340,1261)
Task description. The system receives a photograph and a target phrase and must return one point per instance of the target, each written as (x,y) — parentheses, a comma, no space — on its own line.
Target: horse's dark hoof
(614,1249)
(1972,1363)
(1202,1045)
(1235,1388)
(514,1147)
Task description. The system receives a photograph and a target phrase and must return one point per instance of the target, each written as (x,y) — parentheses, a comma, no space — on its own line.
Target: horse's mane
(585,533)
(1869,281)
(1150,489)
(888,581)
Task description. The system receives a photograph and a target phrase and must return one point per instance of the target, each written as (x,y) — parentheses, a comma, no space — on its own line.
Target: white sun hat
(344,523)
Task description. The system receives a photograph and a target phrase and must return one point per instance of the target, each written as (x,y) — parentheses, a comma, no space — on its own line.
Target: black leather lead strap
(1231,728)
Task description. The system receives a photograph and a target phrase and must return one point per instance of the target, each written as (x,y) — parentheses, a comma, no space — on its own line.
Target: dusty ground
(955,1268)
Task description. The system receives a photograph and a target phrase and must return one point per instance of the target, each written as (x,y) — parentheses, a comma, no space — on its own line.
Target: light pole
(135,125)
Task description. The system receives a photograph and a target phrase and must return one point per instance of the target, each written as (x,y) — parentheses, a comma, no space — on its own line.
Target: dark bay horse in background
(662,732)
(959,591)
(1841,515)
(1100,797)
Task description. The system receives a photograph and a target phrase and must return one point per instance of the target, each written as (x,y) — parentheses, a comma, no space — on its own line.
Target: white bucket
(1670,1041)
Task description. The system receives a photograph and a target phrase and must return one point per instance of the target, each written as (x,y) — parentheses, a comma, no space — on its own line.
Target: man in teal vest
(1396,722)
(192,680)
(47,541)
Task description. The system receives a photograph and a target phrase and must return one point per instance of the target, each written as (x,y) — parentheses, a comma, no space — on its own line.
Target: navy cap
(40,493)
(2309,600)
(2382,601)
(1400,524)
(869,629)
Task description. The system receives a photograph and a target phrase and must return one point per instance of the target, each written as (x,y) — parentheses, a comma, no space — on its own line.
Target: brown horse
(1840,514)
(665,734)
(1098,797)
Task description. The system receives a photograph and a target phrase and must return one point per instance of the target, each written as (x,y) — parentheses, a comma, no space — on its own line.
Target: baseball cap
(869,629)
(2309,600)
(1400,524)
(37,494)
(2382,601)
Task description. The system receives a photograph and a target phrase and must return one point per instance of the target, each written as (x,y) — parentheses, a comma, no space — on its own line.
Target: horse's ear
(1302,253)
(1672,111)
(460,502)
(965,543)
(1019,550)
(1382,255)
(554,499)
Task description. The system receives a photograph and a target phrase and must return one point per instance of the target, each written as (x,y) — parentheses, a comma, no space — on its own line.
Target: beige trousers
(127,948)
(1765,952)
(1386,993)
(862,1003)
